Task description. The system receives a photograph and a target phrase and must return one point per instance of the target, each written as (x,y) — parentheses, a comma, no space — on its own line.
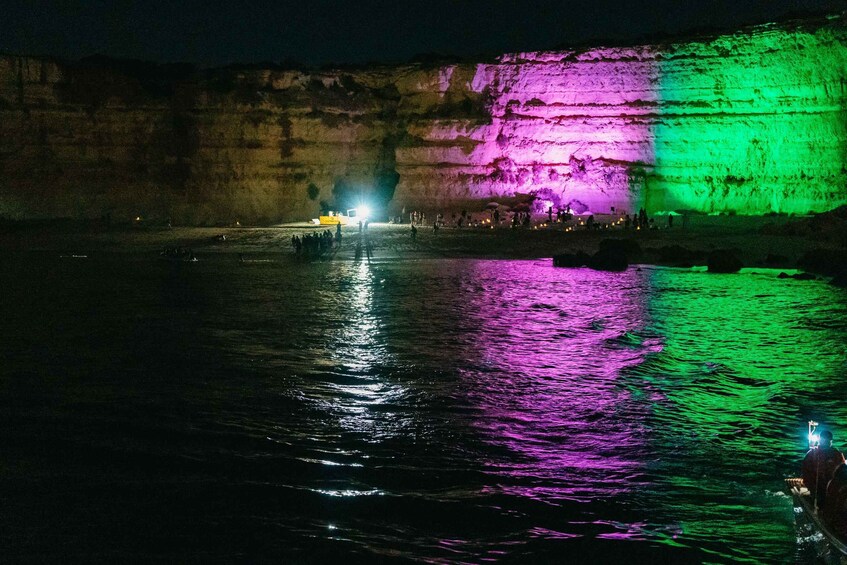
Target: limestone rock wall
(752,122)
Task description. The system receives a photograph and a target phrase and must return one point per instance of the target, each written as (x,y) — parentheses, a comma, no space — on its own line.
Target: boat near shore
(805,511)
(823,526)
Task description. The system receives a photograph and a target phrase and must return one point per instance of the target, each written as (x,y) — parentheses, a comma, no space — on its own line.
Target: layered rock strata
(751,123)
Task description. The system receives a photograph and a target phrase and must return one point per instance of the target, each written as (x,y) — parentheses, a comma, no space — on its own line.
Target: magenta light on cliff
(568,128)
(751,123)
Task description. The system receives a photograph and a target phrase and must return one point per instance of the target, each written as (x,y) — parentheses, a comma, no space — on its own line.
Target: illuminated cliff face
(748,123)
(569,128)
(751,123)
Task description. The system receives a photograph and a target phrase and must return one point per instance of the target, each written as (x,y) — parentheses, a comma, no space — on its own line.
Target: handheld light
(814,438)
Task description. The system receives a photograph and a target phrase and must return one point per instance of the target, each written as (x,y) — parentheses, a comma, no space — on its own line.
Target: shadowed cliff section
(749,123)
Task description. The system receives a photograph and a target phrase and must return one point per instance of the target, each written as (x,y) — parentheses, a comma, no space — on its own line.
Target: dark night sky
(356,31)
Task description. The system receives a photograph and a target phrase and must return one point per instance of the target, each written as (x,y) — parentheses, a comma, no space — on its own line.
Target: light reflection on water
(439,410)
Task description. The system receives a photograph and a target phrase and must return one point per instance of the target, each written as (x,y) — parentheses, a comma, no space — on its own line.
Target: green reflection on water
(747,359)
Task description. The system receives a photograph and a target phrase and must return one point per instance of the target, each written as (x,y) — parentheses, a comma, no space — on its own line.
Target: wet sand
(752,238)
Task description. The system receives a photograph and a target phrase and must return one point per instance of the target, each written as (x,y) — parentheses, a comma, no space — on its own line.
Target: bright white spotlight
(363,212)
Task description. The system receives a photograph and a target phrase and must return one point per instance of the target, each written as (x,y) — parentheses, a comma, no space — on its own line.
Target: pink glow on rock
(571,128)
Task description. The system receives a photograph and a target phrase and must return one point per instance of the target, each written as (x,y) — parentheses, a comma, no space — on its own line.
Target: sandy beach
(777,241)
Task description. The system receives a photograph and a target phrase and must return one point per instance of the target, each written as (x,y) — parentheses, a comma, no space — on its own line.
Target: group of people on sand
(416,218)
(524,219)
(316,243)
(640,221)
(825,475)
(562,214)
(178,253)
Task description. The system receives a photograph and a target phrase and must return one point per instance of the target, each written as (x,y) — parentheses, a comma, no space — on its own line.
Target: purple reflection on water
(550,351)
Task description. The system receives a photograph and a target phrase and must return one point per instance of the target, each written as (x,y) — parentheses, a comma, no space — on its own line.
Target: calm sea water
(434,410)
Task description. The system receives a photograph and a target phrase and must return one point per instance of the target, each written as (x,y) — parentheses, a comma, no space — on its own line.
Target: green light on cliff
(753,124)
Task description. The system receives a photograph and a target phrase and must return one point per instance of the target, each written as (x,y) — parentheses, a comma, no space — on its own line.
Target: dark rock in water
(831,262)
(629,247)
(572,260)
(609,260)
(678,254)
(775,259)
(804,277)
(798,276)
(723,261)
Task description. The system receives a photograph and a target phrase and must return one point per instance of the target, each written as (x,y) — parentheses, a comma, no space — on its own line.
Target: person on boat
(835,509)
(818,467)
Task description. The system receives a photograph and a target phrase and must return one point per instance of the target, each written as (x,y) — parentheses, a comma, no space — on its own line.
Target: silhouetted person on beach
(818,467)
(414,232)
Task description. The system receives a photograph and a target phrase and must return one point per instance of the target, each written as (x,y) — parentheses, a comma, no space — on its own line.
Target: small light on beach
(138,218)
(330,526)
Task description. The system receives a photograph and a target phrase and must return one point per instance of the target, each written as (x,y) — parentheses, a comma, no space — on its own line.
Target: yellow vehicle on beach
(333,217)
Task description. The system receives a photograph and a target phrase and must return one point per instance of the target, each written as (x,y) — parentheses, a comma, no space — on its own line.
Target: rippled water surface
(435,410)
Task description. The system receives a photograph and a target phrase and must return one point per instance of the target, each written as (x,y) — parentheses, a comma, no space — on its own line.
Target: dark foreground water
(435,410)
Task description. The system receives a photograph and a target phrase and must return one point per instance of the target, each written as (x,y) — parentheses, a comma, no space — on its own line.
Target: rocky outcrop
(830,262)
(752,122)
(680,256)
(571,260)
(609,259)
(723,261)
(613,255)
(798,276)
